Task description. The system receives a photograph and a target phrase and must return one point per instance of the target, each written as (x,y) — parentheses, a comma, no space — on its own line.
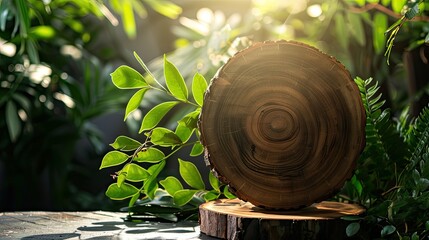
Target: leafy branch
(133,155)
(392,176)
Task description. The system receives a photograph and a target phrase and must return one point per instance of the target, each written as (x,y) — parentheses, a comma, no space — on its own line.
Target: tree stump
(283,125)
(235,219)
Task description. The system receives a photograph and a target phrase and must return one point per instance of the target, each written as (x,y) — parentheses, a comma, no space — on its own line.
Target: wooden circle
(283,124)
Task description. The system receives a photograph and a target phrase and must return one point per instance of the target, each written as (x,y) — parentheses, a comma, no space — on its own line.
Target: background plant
(392,178)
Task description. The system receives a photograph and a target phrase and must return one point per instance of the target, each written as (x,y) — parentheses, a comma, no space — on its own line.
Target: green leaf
(121,177)
(423,184)
(387,230)
(113,158)
(427,38)
(164,137)
(187,125)
(352,229)
(197,149)
(150,155)
(356,28)
(42,32)
(397,5)
(227,193)
(191,175)
(151,185)
(154,116)
(125,77)
(171,185)
(199,86)
(128,18)
(340,28)
(125,143)
(360,2)
(119,193)
(182,197)
(12,121)
(134,102)
(166,8)
(379,28)
(175,82)
(134,199)
(211,195)
(135,173)
(214,182)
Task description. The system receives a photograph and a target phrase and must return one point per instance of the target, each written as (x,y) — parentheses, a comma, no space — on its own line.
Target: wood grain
(235,219)
(283,125)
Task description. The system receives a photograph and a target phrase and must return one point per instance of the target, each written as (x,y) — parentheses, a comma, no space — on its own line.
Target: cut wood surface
(283,124)
(236,219)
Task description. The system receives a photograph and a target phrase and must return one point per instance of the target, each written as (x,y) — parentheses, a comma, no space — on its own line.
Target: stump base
(235,219)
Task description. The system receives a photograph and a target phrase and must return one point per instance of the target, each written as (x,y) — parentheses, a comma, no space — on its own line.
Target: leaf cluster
(392,177)
(142,162)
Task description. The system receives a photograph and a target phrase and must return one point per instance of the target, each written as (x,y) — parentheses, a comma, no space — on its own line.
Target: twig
(385,10)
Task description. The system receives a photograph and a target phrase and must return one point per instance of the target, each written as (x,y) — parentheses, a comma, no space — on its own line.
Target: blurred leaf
(190,174)
(340,29)
(128,18)
(360,3)
(125,77)
(125,143)
(427,38)
(352,229)
(199,86)
(423,184)
(166,8)
(397,5)
(113,158)
(379,28)
(12,120)
(42,32)
(164,137)
(197,149)
(187,125)
(356,28)
(134,102)
(119,193)
(387,230)
(214,182)
(171,185)
(150,155)
(154,116)
(182,197)
(175,82)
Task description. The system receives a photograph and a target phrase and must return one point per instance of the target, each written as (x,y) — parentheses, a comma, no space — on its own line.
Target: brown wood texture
(235,219)
(283,124)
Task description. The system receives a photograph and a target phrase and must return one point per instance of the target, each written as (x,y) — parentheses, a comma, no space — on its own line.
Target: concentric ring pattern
(283,124)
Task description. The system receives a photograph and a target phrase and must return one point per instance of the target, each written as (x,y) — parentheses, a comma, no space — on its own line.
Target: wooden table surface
(90,225)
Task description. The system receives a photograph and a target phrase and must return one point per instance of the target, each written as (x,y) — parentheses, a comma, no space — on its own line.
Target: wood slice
(235,219)
(283,125)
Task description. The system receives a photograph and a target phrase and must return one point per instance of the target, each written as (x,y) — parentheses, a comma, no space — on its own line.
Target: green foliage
(392,178)
(138,178)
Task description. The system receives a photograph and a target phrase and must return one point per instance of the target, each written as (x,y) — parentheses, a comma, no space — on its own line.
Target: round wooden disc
(283,125)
